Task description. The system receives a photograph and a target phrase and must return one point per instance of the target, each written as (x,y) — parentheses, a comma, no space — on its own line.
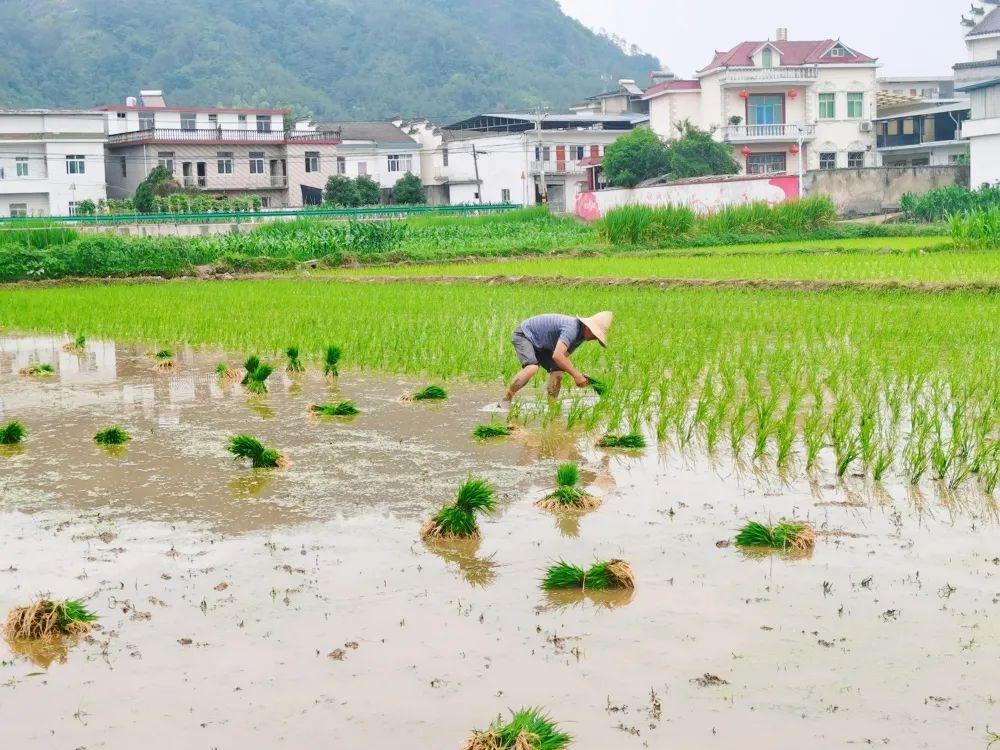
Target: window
(213,120)
(18,209)
(828,160)
(767,58)
(362,168)
(838,51)
(241,118)
(263,123)
(505,195)
(908,127)
(576,152)
(188,122)
(542,153)
(855,105)
(855,159)
(827,106)
(341,165)
(74,208)
(765,163)
(225,162)
(147,120)
(123,163)
(400,162)
(892,127)
(766,109)
(21,166)
(444,156)
(256,162)
(265,201)
(312,161)
(165,159)
(928,134)
(121,115)
(75,164)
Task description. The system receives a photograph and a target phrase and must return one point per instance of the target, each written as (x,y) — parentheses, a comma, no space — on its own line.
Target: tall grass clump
(799,215)
(458,520)
(568,494)
(601,576)
(35,234)
(636,224)
(528,729)
(797,536)
(976,228)
(939,204)
(247,448)
(12,433)
(112,436)
(47,617)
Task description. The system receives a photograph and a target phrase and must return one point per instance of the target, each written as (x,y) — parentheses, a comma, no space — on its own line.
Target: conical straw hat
(599,325)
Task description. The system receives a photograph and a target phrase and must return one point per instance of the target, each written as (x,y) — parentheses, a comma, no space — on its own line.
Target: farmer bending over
(548,340)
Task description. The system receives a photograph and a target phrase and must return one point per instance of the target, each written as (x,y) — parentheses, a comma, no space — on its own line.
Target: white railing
(766,75)
(784,132)
(220,135)
(278,180)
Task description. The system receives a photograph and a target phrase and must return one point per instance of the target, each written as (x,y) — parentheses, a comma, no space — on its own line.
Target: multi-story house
(50,161)
(980,79)
(380,150)
(518,158)
(922,133)
(783,105)
(226,151)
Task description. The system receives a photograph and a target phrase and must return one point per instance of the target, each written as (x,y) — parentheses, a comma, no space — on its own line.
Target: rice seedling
(47,617)
(245,447)
(600,387)
(112,436)
(795,536)
(601,576)
(430,393)
(294,363)
(528,729)
(250,365)
(458,520)
(331,361)
(628,441)
(42,370)
(568,494)
(337,409)
(255,381)
(12,433)
(491,430)
(226,373)
(77,345)
(164,359)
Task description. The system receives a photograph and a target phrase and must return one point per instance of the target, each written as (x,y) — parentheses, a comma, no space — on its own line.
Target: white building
(765,97)
(923,133)
(381,150)
(50,161)
(980,79)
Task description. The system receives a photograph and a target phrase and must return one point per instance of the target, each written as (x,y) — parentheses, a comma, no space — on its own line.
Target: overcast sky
(918,37)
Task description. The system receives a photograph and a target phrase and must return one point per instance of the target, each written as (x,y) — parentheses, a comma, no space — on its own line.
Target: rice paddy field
(797,540)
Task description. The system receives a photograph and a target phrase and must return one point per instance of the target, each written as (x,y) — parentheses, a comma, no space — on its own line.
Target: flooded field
(262,609)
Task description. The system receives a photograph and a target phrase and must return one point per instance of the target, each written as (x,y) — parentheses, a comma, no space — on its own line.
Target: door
(202,174)
(766,114)
(560,158)
(187,174)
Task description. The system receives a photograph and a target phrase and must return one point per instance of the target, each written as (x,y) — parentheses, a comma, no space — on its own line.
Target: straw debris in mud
(338,409)
(37,371)
(629,441)
(112,436)
(76,346)
(245,447)
(46,617)
(601,576)
(528,729)
(12,433)
(430,393)
(794,536)
(458,520)
(568,494)
(164,359)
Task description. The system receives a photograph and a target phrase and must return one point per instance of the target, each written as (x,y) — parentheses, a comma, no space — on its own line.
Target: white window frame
(189,121)
(263,123)
(341,165)
(822,98)
(838,51)
(859,100)
(17,210)
(399,162)
(256,162)
(149,118)
(362,168)
(241,118)
(21,167)
(850,158)
(312,161)
(73,208)
(76,164)
(823,154)
(224,162)
(165,159)
(505,195)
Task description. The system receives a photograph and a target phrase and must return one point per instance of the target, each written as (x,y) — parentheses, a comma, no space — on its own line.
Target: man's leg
(555,383)
(520,380)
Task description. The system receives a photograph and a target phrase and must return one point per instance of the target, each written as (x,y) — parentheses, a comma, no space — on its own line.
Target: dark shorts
(527,354)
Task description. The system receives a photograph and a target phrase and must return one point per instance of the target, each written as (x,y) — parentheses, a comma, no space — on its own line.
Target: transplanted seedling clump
(600,386)
(796,536)
(47,617)
(245,447)
(37,371)
(77,345)
(430,393)
(257,373)
(331,361)
(112,436)
(12,433)
(294,363)
(601,576)
(568,494)
(338,409)
(492,430)
(528,729)
(629,441)
(164,359)
(458,520)
(226,373)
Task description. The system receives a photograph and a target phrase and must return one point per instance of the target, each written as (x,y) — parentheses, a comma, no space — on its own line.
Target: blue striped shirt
(545,331)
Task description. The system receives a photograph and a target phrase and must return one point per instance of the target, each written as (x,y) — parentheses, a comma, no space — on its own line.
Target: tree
(409,189)
(86,207)
(159,182)
(341,191)
(635,157)
(696,154)
(369,191)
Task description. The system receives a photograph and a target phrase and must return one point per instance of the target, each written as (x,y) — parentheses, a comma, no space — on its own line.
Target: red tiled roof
(590,161)
(792,53)
(672,85)
(168,108)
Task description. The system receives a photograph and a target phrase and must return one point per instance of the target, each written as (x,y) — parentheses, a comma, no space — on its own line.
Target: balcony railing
(802,73)
(278,181)
(220,135)
(777,132)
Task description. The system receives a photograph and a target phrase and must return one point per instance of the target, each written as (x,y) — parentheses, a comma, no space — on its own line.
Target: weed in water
(331,361)
(430,393)
(787,536)
(528,729)
(43,370)
(338,409)
(12,433)
(630,441)
(601,576)
(112,436)
(246,447)
(458,520)
(568,494)
(491,430)
(46,617)
(294,364)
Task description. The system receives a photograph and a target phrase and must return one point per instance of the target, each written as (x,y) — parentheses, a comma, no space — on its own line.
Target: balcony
(279,181)
(783,132)
(555,167)
(803,75)
(219,136)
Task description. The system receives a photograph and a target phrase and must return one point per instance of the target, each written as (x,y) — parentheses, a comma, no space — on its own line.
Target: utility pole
(479,184)
(544,188)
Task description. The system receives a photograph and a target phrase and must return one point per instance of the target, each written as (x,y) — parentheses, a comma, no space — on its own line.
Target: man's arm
(561,357)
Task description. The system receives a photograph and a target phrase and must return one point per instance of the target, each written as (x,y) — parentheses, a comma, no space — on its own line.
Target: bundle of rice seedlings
(600,387)
(458,521)
(256,380)
(37,371)
(46,617)
(430,393)
(601,576)
(528,729)
(331,361)
(247,447)
(250,364)
(795,536)
(12,433)
(338,409)
(568,494)
(77,345)
(629,441)
(491,430)
(294,364)
(112,436)
(227,373)
(164,359)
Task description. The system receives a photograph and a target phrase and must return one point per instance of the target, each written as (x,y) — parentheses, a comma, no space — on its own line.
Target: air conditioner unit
(866,127)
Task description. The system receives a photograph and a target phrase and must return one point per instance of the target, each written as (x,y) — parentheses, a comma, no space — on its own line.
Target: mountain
(344,59)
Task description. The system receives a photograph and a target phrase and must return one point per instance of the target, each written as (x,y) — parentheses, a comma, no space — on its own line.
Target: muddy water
(224,592)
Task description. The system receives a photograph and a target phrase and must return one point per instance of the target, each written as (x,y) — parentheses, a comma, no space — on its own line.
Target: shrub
(976,228)
(940,203)
(341,191)
(635,157)
(369,192)
(409,190)
(696,154)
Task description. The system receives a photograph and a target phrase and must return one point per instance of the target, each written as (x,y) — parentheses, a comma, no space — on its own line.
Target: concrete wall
(860,192)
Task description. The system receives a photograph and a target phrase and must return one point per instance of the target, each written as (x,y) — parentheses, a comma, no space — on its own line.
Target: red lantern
(794,149)
(744,94)
(746,151)
(792,93)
